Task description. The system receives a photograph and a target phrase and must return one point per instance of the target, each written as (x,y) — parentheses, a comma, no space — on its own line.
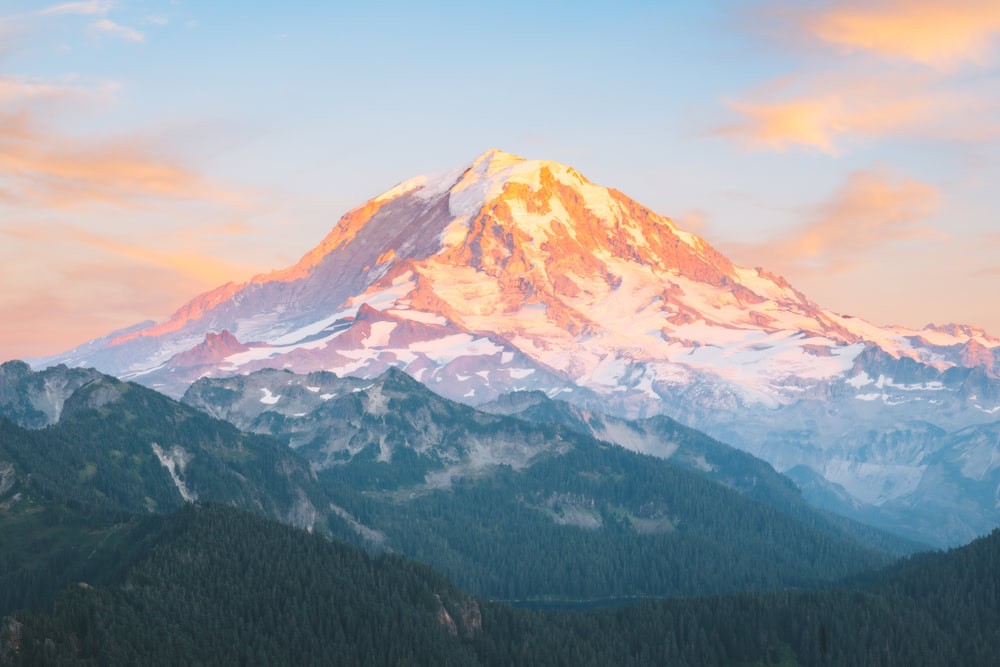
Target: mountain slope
(120,447)
(218,586)
(692,450)
(512,509)
(262,593)
(513,274)
(392,466)
(34,400)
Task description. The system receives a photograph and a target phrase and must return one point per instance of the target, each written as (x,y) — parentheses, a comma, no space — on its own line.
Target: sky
(151,150)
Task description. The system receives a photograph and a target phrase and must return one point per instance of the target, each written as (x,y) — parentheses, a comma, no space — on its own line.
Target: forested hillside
(219,586)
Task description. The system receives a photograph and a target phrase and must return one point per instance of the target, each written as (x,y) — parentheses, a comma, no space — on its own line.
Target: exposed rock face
(331,420)
(214,349)
(444,618)
(35,400)
(470,617)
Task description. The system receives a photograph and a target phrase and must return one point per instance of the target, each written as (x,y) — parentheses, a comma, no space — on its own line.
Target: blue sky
(155,149)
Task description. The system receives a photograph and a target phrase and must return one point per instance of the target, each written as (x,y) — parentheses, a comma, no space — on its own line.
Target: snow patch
(268,398)
(859,380)
(447,349)
(380,334)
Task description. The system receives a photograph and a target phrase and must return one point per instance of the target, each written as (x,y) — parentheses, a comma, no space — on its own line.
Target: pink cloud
(871,210)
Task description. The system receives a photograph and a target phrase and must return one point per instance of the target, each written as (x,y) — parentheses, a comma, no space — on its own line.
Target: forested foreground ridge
(215,585)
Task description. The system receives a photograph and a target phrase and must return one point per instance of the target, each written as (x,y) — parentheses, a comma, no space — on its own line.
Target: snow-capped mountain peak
(588,284)
(507,274)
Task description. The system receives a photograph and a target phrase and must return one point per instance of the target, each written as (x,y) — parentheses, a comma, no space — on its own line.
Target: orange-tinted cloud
(95,284)
(871,210)
(940,33)
(57,170)
(819,121)
(83,300)
(825,111)
(208,271)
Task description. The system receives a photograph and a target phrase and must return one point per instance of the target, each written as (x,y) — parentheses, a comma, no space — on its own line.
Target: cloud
(200,268)
(16,89)
(95,283)
(823,111)
(45,167)
(208,271)
(85,8)
(116,29)
(939,33)
(834,100)
(83,299)
(819,122)
(695,221)
(871,210)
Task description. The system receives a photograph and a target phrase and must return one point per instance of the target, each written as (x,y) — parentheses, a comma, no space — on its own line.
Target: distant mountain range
(513,275)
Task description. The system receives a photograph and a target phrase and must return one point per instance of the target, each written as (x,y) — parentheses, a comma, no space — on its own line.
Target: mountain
(123,448)
(393,419)
(693,450)
(212,585)
(511,275)
(497,503)
(34,400)
(522,510)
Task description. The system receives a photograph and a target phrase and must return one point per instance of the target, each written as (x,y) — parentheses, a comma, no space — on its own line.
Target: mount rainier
(521,275)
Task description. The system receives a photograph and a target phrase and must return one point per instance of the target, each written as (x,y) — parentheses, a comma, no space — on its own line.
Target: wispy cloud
(940,33)
(15,89)
(109,27)
(99,282)
(871,210)
(208,271)
(833,101)
(83,8)
(824,111)
(42,166)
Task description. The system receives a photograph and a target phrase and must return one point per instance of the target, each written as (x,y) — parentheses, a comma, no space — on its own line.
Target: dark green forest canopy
(220,586)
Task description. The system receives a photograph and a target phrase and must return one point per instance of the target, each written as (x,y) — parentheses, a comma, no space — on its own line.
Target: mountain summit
(510,274)
(531,257)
